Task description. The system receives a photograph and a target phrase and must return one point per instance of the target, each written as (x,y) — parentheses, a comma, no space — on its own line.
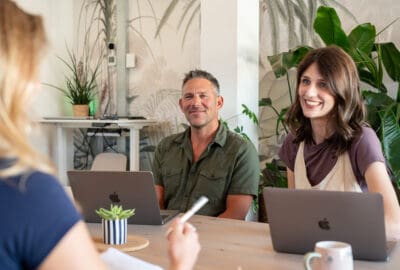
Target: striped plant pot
(114,231)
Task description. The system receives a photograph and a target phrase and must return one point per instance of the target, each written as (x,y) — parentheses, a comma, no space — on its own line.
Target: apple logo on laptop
(114,197)
(324,224)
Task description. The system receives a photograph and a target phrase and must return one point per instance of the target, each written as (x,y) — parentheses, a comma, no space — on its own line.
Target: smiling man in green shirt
(207,158)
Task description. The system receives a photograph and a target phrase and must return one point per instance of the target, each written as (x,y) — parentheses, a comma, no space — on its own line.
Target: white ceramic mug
(330,255)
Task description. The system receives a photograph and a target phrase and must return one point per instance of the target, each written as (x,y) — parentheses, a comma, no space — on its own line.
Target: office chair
(109,162)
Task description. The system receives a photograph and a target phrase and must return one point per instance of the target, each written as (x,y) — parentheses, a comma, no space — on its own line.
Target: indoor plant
(114,224)
(372,59)
(81,85)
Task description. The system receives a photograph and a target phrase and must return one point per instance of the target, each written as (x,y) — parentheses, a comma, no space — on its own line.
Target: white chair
(109,162)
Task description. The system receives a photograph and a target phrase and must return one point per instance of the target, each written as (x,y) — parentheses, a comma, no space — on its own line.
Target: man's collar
(220,137)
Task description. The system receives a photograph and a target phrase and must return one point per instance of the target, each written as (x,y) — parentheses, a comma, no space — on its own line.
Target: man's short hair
(198,73)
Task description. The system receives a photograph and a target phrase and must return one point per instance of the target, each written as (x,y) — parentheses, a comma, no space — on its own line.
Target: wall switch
(130,60)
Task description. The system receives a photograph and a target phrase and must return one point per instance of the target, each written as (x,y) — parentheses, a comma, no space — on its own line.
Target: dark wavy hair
(198,73)
(340,73)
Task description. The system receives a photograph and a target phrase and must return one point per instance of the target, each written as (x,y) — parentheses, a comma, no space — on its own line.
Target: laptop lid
(300,218)
(95,189)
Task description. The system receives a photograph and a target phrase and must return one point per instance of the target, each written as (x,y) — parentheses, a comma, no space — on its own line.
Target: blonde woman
(40,228)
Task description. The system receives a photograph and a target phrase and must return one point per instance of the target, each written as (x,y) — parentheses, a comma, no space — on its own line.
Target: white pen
(195,207)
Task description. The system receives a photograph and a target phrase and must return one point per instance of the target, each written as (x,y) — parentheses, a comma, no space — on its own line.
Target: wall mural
(165,38)
(96,29)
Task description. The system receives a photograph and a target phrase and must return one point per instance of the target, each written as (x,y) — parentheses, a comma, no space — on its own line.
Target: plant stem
(398,92)
(289,88)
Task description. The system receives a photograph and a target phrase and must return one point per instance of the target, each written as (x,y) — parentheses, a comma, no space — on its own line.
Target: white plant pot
(115,231)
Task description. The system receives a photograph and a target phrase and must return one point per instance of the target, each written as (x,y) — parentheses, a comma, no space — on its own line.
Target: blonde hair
(22,43)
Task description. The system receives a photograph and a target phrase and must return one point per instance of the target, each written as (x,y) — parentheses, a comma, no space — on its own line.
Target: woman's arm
(74,251)
(290,178)
(378,181)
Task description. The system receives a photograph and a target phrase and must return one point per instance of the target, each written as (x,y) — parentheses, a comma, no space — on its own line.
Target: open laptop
(95,189)
(300,218)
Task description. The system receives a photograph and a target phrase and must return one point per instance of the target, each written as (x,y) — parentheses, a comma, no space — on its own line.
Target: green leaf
(115,212)
(281,120)
(253,117)
(265,102)
(328,26)
(369,71)
(391,60)
(376,102)
(368,78)
(282,62)
(390,138)
(362,37)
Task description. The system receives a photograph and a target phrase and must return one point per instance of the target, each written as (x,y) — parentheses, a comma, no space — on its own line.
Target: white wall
(229,50)
(58,19)
(59,23)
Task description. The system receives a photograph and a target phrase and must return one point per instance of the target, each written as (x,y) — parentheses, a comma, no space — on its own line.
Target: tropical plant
(115,212)
(372,59)
(293,20)
(239,129)
(274,173)
(81,84)
(281,64)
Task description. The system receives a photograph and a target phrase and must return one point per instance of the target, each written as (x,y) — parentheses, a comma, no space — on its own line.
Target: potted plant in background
(81,86)
(372,59)
(114,224)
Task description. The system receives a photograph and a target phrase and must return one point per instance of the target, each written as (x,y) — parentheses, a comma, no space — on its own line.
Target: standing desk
(231,244)
(62,125)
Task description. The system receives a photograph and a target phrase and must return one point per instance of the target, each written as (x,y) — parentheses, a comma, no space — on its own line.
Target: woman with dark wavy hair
(330,146)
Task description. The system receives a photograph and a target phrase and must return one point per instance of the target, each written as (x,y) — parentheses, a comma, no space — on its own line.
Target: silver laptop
(299,218)
(95,189)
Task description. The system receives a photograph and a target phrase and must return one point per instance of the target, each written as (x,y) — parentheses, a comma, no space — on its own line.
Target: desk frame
(62,125)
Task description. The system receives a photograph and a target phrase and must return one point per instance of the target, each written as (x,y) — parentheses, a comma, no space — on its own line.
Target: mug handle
(308,257)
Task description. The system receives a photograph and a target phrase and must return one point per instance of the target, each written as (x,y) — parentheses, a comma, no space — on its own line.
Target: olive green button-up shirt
(229,165)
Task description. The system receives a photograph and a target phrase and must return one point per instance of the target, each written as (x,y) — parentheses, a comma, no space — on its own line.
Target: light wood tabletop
(231,244)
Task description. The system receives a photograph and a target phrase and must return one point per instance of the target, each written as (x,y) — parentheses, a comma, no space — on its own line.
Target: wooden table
(230,244)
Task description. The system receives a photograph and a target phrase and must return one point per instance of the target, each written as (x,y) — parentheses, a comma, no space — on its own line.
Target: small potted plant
(114,223)
(81,85)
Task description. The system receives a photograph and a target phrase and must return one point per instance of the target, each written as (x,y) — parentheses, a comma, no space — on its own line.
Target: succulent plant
(115,212)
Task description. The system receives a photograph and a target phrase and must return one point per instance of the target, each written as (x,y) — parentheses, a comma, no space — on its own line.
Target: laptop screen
(95,189)
(300,218)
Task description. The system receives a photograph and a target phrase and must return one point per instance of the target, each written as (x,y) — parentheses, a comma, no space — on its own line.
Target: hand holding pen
(195,207)
(184,245)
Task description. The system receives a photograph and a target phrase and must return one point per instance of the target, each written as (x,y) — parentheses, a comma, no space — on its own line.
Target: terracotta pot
(80,110)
